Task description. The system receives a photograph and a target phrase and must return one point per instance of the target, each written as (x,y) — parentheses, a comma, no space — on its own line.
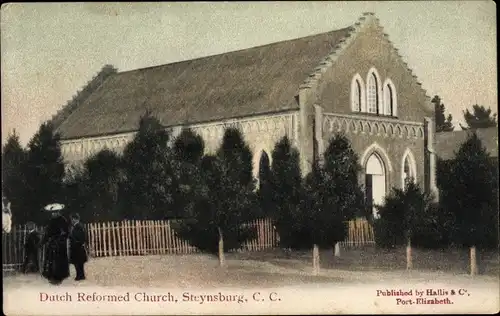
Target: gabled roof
(246,82)
(448,143)
(252,81)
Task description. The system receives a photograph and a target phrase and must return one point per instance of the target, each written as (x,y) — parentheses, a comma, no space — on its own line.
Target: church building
(350,81)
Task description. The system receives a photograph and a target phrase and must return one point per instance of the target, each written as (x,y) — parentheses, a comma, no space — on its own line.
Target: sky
(49,51)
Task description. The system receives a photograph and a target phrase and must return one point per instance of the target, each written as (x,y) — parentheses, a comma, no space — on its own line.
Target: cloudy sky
(49,51)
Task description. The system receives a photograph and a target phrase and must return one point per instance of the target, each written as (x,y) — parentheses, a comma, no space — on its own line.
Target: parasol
(54,207)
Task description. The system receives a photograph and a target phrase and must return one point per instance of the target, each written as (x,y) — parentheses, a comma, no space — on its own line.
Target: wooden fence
(360,234)
(129,238)
(13,247)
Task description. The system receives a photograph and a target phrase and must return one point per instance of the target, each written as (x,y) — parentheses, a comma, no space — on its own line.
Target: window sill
(374,115)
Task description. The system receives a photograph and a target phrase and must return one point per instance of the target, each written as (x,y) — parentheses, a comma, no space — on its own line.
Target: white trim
(373,118)
(373,71)
(413,166)
(229,121)
(375,148)
(388,82)
(357,78)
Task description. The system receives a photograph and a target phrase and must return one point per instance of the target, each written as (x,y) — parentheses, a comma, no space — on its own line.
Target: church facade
(350,81)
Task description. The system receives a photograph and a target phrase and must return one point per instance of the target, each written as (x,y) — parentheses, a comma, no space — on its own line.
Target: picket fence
(359,234)
(132,238)
(127,238)
(13,247)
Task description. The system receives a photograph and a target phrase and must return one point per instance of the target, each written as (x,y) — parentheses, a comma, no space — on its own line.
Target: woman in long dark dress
(56,264)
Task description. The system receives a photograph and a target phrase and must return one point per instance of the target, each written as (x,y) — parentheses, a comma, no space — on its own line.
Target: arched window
(408,172)
(389,101)
(407,177)
(357,94)
(390,98)
(357,97)
(372,93)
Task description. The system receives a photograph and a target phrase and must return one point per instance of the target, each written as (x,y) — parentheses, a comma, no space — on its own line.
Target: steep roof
(447,143)
(246,82)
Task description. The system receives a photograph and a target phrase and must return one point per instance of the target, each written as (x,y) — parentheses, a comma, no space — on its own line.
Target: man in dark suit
(77,247)
(31,245)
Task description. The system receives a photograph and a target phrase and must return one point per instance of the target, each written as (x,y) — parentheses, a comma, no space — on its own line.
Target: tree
(97,189)
(443,123)
(237,200)
(286,192)
(264,192)
(44,172)
(402,216)
(75,191)
(188,151)
(332,196)
(480,117)
(227,200)
(475,189)
(342,168)
(189,146)
(13,183)
(149,172)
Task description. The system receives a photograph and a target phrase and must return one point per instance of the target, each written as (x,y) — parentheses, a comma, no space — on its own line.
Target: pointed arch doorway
(375,183)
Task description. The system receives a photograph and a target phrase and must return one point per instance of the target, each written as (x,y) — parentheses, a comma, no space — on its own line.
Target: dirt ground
(454,261)
(277,268)
(344,281)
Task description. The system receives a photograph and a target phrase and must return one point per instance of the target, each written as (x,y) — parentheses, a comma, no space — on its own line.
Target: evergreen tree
(227,200)
(189,146)
(403,215)
(475,189)
(342,168)
(149,171)
(286,193)
(98,188)
(443,123)
(44,172)
(332,196)
(13,183)
(264,192)
(75,191)
(480,117)
(188,153)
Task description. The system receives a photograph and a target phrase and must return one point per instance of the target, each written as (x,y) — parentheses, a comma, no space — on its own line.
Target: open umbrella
(54,207)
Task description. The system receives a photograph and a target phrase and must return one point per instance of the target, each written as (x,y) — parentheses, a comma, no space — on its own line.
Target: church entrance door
(375,183)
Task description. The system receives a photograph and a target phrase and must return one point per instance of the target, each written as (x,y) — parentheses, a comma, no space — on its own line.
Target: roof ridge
(367,18)
(235,51)
(327,61)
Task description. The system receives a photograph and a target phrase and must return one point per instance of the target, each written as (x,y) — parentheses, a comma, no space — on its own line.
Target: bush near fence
(132,238)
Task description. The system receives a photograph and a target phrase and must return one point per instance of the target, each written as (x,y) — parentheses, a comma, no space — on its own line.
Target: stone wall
(389,138)
(261,133)
(369,49)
